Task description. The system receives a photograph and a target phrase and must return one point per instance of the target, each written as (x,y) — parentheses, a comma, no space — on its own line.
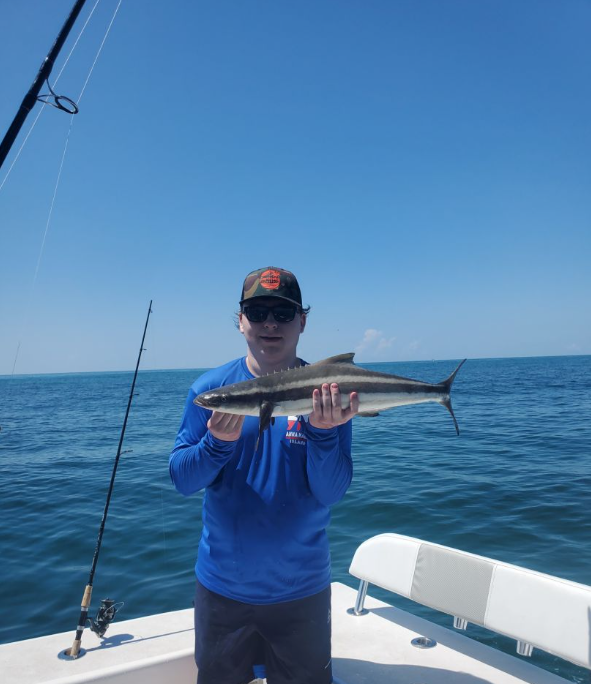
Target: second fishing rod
(108,607)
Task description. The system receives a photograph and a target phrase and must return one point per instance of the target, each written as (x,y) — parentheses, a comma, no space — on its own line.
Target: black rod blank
(45,70)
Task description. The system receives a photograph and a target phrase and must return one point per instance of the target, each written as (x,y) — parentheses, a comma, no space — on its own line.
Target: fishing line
(32,290)
(100,49)
(163,516)
(76,41)
(72,113)
(57,182)
(18,154)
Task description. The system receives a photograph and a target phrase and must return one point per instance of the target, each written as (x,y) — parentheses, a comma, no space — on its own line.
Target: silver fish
(289,392)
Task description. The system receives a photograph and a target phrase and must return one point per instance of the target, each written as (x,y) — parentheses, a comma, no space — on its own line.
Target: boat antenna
(74,652)
(42,77)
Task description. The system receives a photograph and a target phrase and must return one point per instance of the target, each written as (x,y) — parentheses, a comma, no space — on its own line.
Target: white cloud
(386,343)
(369,337)
(374,341)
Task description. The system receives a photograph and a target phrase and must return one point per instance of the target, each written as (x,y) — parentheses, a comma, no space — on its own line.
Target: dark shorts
(292,639)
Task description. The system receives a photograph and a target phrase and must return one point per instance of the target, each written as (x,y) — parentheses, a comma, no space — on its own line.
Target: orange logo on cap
(270,279)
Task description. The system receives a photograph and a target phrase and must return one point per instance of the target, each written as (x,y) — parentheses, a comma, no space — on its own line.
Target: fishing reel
(105,615)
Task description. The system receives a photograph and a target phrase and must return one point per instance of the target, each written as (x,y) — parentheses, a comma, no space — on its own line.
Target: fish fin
(265,419)
(446,401)
(368,414)
(340,358)
(448,383)
(265,415)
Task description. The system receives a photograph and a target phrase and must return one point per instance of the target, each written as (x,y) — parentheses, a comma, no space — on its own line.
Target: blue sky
(424,167)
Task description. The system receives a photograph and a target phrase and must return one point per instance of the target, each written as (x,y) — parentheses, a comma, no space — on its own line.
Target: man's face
(275,342)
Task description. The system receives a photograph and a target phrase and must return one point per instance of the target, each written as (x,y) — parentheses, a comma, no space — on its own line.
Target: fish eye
(224,398)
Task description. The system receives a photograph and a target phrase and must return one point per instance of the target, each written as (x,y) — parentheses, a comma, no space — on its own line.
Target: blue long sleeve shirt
(265,514)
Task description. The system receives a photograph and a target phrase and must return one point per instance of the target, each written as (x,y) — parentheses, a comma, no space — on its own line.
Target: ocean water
(515,485)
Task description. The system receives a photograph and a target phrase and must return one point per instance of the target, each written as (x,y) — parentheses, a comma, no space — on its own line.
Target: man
(263,566)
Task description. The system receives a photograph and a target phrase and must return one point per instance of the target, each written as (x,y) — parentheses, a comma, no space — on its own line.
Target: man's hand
(225,426)
(326,407)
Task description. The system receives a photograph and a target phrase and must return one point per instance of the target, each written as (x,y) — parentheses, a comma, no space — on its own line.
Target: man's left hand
(327,411)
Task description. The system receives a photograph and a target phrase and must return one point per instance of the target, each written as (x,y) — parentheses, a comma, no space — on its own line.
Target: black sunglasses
(257,313)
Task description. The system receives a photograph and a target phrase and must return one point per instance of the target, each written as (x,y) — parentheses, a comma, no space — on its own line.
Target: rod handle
(86,598)
(84,606)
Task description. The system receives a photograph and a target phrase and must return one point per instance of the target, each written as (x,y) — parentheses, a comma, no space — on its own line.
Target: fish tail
(448,383)
(446,401)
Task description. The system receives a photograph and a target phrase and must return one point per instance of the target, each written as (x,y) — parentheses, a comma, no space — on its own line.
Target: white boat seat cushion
(547,612)
(452,582)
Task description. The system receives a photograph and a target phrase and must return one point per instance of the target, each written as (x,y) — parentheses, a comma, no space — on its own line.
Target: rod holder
(423,642)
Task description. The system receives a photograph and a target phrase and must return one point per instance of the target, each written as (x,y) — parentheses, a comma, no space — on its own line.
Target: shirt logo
(294,432)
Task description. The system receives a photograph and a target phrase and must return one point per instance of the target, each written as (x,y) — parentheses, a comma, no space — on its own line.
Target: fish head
(213,399)
(228,399)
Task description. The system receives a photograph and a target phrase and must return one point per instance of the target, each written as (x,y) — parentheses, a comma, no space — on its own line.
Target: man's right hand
(225,426)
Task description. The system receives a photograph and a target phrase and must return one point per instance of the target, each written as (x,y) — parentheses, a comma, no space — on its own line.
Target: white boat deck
(149,650)
(373,648)
(376,648)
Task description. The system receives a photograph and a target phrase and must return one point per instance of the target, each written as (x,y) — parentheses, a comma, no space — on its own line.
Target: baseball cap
(271,282)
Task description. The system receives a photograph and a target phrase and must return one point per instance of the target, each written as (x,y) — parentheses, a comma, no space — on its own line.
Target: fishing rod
(108,607)
(42,76)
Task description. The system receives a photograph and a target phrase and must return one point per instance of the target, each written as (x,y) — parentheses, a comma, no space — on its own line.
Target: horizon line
(361,363)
